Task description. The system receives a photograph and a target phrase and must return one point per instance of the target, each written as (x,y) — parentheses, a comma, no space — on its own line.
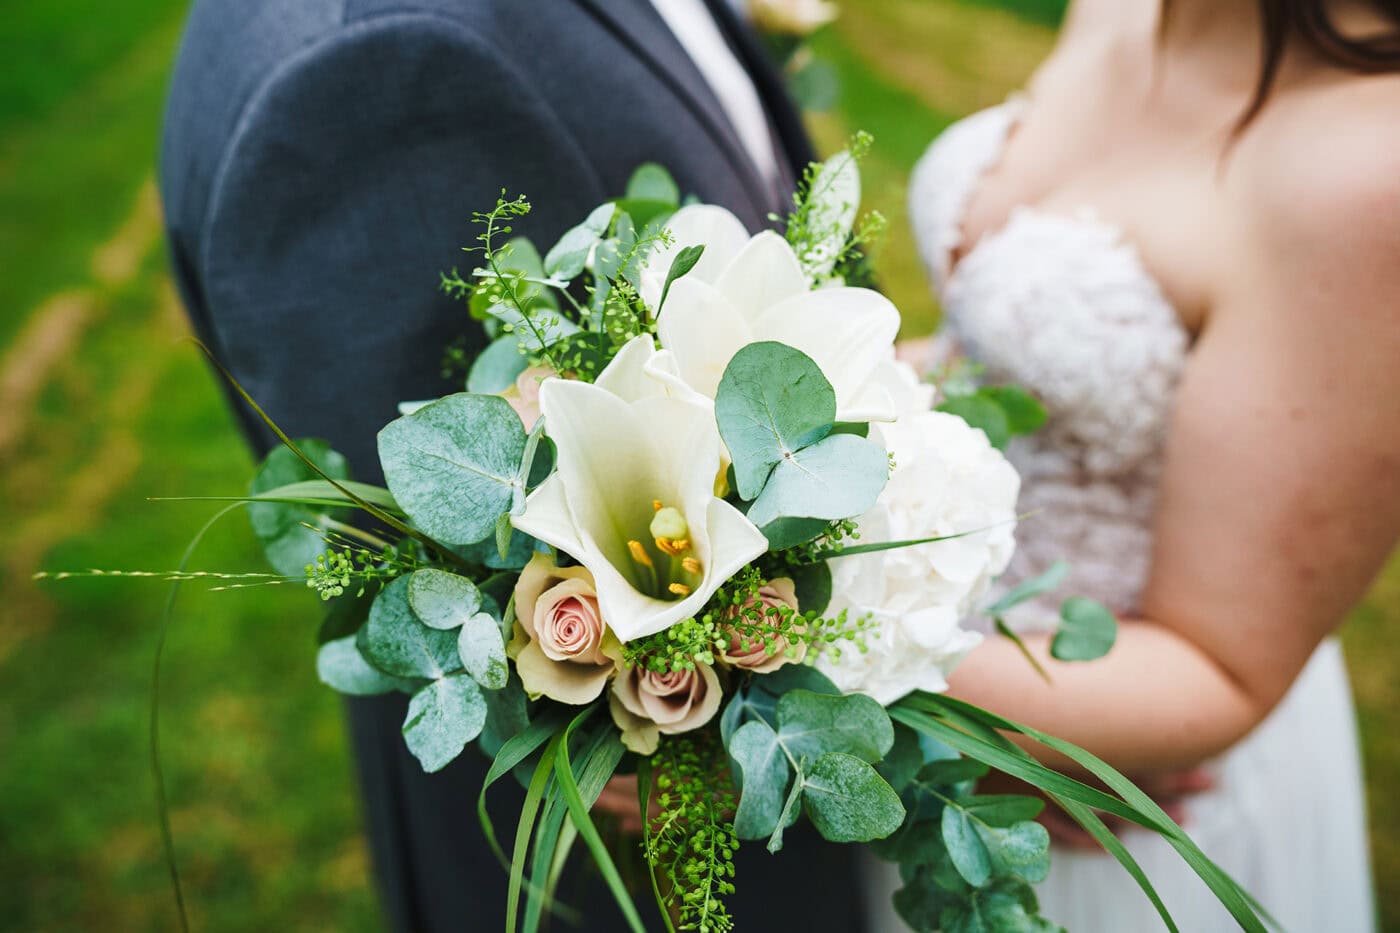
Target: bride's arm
(1279,503)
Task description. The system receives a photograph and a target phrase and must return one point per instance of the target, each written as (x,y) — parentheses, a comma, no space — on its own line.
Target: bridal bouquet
(691,520)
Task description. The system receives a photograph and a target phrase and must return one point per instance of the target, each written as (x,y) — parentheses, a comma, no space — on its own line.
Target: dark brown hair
(1311,22)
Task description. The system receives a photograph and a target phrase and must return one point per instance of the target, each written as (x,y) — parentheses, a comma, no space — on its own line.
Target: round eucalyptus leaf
(483,651)
(442,600)
(497,367)
(340,666)
(281,526)
(506,716)
(763,775)
(812,724)
(838,477)
(813,584)
(772,401)
(454,465)
(983,413)
(396,642)
(651,182)
(1087,631)
(442,718)
(848,801)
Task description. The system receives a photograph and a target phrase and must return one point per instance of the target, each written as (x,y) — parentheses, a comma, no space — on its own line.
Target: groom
(321,163)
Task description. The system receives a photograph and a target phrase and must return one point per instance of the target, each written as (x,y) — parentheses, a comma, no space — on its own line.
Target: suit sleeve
(347,187)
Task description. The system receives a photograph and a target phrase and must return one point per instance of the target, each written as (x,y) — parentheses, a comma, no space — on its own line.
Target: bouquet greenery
(692,520)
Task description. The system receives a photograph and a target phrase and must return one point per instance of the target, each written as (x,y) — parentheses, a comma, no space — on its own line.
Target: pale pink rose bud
(645,703)
(524,396)
(562,647)
(751,654)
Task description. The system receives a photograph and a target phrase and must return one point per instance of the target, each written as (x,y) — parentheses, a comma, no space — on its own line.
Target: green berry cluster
(691,841)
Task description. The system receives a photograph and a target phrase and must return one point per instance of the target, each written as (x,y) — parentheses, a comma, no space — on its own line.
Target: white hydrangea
(947,479)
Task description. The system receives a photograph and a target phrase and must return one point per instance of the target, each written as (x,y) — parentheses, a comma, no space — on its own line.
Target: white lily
(742,293)
(633,498)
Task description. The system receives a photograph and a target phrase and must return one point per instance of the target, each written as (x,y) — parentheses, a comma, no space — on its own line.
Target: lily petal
(703,331)
(846,331)
(626,375)
(765,272)
(720,232)
(547,516)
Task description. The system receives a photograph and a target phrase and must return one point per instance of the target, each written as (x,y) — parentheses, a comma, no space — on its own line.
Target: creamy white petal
(720,232)
(547,516)
(765,272)
(733,539)
(626,376)
(575,684)
(846,331)
(703,331)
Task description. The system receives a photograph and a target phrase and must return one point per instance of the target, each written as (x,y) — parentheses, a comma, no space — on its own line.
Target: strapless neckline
(1062,304)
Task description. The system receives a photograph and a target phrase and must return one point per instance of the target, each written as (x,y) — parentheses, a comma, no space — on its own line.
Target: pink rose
(645,704)
(562,647)
(751,654)
(524,396)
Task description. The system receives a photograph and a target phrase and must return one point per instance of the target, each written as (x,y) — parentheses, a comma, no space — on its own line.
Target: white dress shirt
(702,40)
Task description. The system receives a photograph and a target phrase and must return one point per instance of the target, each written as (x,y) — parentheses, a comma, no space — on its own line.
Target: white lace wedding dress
(1063,306)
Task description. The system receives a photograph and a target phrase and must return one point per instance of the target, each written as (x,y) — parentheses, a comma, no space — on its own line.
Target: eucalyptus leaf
(981,412)
(984,839)
(1046,582)
(772,401)
(1000,908)
(1087,631)
(281,526)
(495,369)
(506,716)
(569,256)
(762,775)
(483,651)
(965,846)
(340,666)
(442,718)
(902,762)
(790,532)
(838,477)
(848,801)
(442,600)
(811,724)
(454,465)
(396,642)
(1024,413)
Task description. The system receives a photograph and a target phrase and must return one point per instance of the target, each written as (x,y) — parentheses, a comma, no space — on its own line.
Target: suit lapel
(642,30)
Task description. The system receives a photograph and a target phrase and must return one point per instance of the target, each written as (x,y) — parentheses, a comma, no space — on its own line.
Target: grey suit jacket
(320,166)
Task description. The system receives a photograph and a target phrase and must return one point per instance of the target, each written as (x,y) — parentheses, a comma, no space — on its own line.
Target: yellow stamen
(656,505)
(639,553)
(673,546)
(680,589)
(691,565)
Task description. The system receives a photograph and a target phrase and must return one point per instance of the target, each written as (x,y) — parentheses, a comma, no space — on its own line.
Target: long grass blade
(528,811)
(579,812)
(1241,905)
(644,782)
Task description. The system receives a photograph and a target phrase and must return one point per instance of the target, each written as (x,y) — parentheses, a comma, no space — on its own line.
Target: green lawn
(101,407)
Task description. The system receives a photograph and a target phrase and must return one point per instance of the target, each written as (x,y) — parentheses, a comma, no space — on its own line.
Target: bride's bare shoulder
(1325,165)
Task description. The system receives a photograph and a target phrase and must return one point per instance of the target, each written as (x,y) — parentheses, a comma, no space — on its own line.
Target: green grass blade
(1241,905)
(579,811)
(1027,769)
(307,492)
(528,812)
(167,836)
(512,753)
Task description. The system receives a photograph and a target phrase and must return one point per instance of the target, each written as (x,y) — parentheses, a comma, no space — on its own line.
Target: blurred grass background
(101,406)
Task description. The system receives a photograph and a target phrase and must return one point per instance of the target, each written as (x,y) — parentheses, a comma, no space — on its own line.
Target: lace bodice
(1064,307)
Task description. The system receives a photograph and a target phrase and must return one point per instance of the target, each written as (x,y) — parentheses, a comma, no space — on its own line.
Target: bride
(1185,237)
